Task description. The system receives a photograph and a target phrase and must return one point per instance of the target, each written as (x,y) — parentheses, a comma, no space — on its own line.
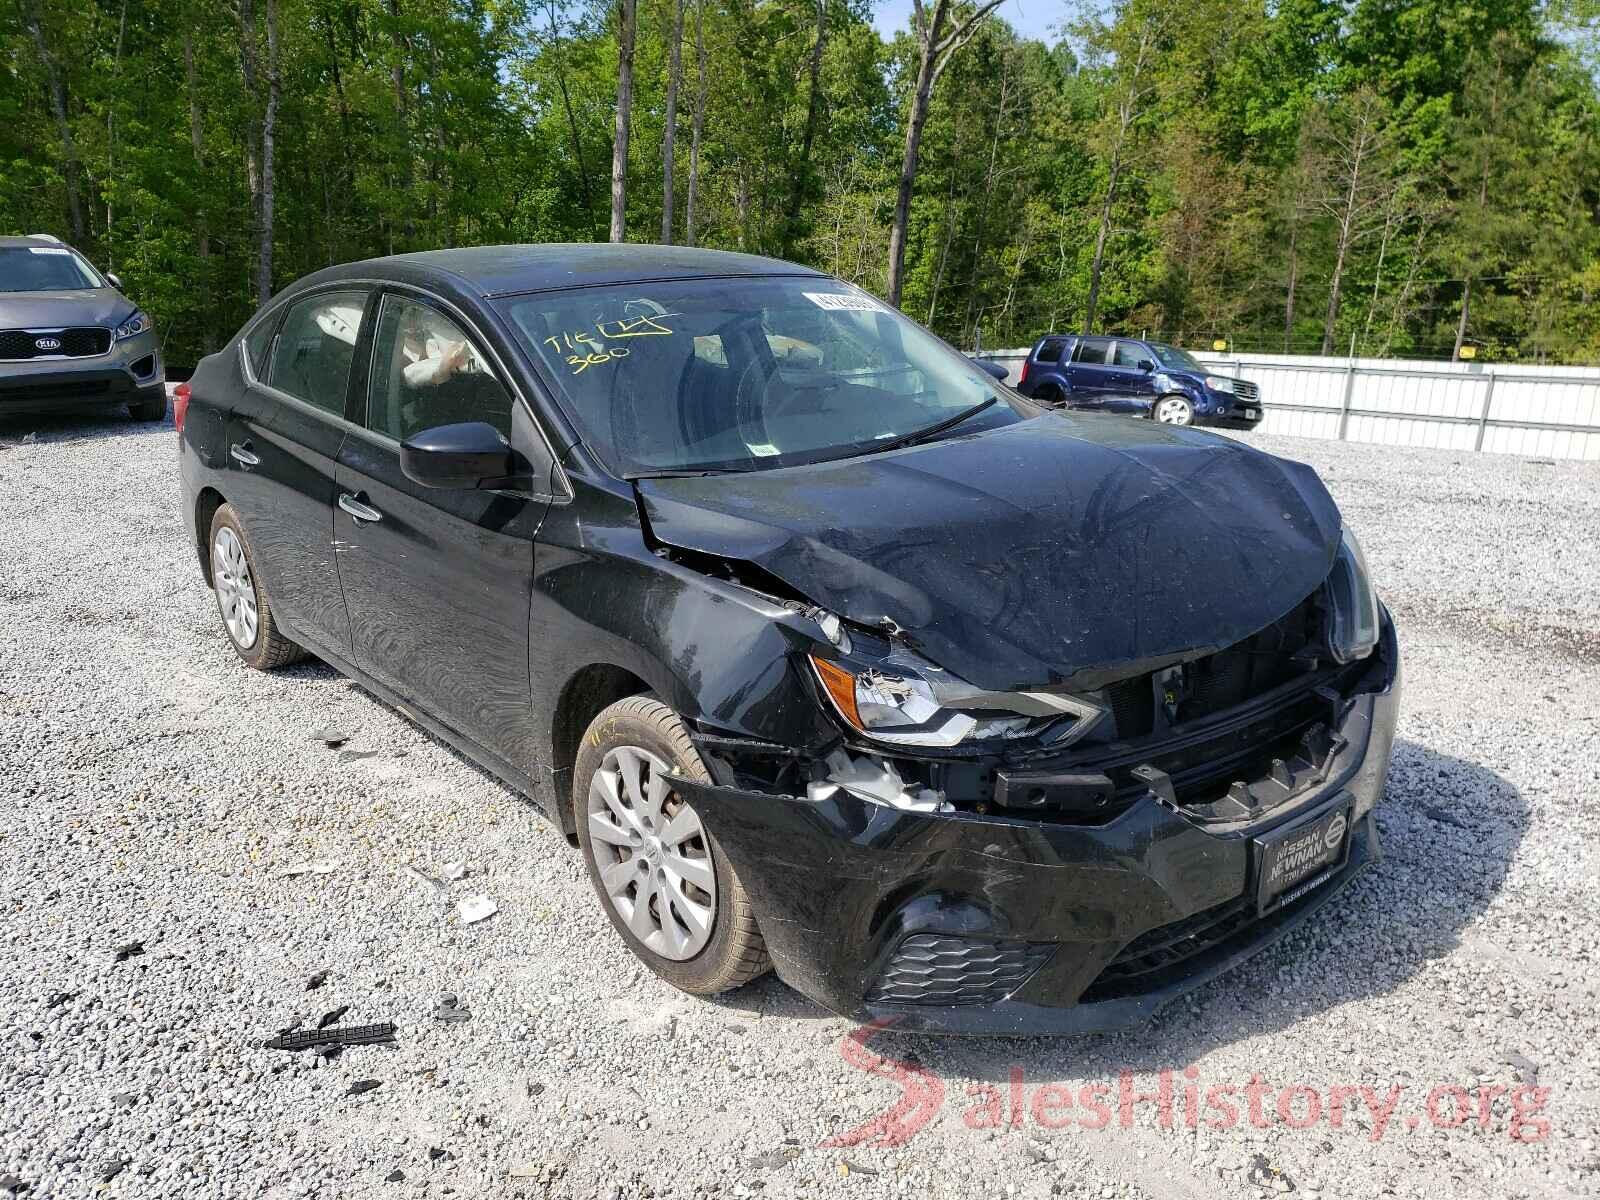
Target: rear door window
(1093,352)
(315,347)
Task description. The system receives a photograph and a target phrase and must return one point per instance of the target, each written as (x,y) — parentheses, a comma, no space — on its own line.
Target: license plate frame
(1251,414)
(1300,856)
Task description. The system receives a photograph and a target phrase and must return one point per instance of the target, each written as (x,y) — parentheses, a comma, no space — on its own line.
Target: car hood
(1054,548)
(102,307)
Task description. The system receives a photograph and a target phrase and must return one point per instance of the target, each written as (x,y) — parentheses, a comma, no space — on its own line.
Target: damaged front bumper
(961,922)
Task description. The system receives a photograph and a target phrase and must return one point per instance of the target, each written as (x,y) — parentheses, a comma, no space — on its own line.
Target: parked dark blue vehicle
(1145,379)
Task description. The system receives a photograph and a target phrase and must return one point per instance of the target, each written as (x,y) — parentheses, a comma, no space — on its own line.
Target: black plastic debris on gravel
(450,1012)
(378,1034)
(126,951)
(362,1086)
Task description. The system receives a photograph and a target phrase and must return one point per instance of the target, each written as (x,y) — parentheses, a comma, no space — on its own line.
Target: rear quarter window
(258,343)
(1050,351)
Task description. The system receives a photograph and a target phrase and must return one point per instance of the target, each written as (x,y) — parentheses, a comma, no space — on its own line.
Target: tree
(1356,184)
(935,48)
(627,18)
(669,129)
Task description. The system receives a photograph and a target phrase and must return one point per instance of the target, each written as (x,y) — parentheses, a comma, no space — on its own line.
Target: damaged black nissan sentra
(834,655)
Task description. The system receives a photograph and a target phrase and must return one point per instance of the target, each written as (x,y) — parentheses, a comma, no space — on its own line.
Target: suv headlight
(906,701)
(1352,603)
(1219,383)
(138,323)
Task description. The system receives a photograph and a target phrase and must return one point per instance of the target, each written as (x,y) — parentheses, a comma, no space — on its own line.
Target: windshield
(44,269)
(1171,356)
(746,374)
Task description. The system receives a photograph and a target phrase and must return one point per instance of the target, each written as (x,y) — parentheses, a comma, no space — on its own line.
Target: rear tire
(242,597)
(635,836)
(149,410)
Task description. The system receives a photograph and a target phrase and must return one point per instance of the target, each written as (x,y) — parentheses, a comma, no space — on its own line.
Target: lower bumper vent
(929,968)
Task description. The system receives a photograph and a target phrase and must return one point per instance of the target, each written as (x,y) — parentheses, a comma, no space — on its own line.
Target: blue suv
(1146,379)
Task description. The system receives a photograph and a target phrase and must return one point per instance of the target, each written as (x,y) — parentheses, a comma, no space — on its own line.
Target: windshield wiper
(920,434)
(687,473)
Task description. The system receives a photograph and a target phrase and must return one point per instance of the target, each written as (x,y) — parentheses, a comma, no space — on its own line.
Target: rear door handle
(358,510)
(244,455)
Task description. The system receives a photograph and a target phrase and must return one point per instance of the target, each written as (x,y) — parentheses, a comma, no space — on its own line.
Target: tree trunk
(249,68)
(1092,304)
(627,10)
(917,118)
(670,130)
(975,283)
(1294,270)
(202,228)
(1461,325)
(699,122)
(800,177)
(71,168)
(402,146)
(269,122)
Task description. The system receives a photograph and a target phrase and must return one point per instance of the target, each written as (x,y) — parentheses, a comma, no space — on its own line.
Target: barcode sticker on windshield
(49,250)
(840,302)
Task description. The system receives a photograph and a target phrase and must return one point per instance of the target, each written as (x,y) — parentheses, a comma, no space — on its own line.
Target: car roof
(11,242)
(508,270)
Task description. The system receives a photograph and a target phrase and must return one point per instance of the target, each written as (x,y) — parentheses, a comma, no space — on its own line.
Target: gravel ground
(155,791)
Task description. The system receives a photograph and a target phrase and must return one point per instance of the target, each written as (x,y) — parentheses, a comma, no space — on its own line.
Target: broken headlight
(907,701)
(1352,603)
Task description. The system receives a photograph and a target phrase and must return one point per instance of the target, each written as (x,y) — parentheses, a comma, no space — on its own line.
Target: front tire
(242,599)
(661,877)
(1173,410)
(149,410)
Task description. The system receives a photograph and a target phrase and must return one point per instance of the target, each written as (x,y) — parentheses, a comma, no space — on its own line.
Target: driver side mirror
(1146,365)
(992,368)
(473,454)
(113,281)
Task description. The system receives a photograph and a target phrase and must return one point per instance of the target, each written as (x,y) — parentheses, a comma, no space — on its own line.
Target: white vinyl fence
(1541,412)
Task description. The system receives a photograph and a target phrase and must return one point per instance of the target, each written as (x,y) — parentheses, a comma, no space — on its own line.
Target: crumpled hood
(103,307)
(1022,556)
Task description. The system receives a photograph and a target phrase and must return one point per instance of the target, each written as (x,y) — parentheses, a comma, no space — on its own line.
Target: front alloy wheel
(664,882)
(651,849)
(1174,410)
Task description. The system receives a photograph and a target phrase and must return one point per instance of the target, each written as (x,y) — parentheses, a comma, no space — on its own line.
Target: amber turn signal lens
(840,686)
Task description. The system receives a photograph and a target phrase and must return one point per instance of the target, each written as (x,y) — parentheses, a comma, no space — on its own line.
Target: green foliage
(407,124)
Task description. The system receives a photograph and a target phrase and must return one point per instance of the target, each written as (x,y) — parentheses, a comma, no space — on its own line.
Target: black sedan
(832,654)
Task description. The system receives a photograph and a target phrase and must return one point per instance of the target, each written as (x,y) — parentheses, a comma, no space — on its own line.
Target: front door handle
(358,510)
(244,455)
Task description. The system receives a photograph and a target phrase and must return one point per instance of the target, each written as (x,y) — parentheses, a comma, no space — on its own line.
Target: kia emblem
(47,343)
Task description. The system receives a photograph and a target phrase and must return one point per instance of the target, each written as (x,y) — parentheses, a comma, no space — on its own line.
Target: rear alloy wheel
(664,882)
(241,599)
(1174,410)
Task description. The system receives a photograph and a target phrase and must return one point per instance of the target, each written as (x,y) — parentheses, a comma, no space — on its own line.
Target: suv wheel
(660,875)
(1173,410)
(241,598)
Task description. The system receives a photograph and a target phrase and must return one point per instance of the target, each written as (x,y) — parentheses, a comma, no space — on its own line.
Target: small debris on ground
(316,981)
(356,755)
(453,871)
(451,1012)
(111,1168)
(395,1176)
(1263,1174)
(332,1016)
(57,999)
(126,951)
(330,737)
(124,1099)
(362,1086)
(476,908)
(320,866)
(1527,1070)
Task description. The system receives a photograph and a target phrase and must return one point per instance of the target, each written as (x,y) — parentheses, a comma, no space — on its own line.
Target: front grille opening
(931,968)
(22,344)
